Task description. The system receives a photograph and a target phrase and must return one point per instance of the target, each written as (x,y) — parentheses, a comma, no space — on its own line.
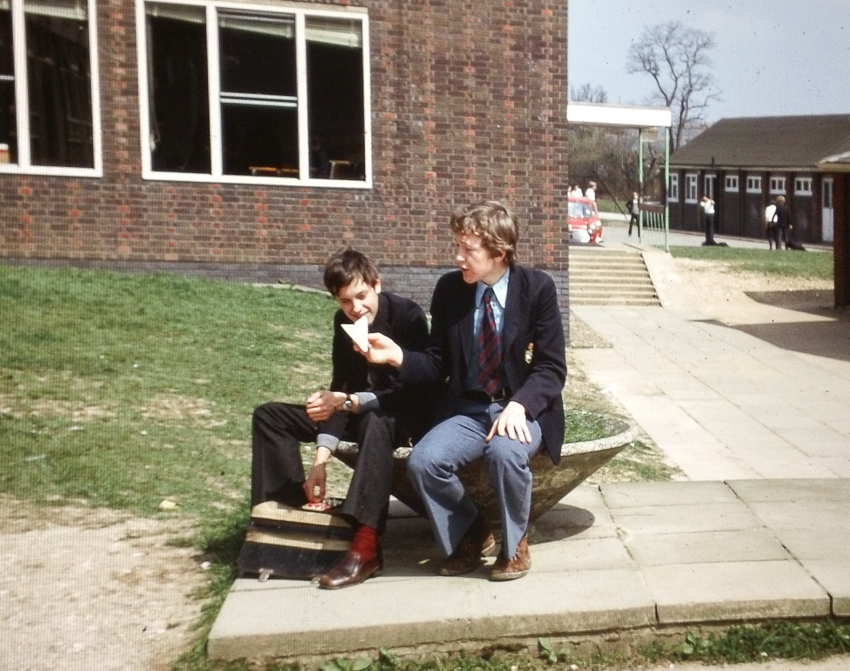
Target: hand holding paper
(358,332)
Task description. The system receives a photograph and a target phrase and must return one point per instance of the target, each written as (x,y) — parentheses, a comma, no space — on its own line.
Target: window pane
(335,98)
(59,84)
(178,89)
(8,127)
(257,54)
(259,140)
(259,104)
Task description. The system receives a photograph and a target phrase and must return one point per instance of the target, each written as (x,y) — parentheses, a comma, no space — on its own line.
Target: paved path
(755,391)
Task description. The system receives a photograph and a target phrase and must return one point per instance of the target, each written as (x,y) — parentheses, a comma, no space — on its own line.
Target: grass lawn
(127,390)
(814,265)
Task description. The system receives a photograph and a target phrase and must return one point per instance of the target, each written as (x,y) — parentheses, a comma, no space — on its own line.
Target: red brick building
(271,133)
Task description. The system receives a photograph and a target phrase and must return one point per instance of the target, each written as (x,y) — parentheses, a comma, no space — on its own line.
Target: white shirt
(590,192)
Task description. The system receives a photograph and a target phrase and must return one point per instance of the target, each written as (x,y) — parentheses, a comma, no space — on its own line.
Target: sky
(772,57)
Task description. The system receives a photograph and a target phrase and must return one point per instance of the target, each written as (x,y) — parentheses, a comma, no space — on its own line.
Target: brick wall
(468,101)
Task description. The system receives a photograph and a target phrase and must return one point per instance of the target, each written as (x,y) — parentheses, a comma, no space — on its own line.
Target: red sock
(365,542)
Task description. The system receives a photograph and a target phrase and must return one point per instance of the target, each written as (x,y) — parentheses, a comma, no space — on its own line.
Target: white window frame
(709,185)
(754,184)
(778,184)
(300,12)
(732,183)
(803,185)
(24,165)
(691,187)
(673,193)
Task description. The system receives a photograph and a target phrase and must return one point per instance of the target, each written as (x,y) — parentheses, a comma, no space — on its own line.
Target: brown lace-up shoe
(515,567)
(476,543)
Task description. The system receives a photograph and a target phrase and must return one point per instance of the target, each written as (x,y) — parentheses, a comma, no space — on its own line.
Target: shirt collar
(500,289)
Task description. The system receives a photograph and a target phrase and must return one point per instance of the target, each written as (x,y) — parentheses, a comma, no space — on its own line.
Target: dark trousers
(777,235)
(633,221)
(277,472)
(709,229)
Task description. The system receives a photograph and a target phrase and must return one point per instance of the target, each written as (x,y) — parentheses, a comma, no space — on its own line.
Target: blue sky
(773,57)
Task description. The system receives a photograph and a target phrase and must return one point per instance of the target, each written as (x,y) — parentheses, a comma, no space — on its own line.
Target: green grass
(125,390)
(813,265)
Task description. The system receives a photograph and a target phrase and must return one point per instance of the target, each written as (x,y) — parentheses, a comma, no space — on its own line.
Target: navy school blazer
(533,346)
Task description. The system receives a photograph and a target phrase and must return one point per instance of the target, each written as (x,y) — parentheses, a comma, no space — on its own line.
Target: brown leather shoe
(477,542)
(515,567)
(352,570)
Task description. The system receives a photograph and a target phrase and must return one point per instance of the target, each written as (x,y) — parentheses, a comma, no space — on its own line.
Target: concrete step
(610,278)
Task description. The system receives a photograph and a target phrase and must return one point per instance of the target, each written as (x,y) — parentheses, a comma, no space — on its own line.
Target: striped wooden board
(294,543)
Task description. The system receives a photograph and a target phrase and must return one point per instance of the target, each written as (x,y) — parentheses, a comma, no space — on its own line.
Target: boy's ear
(377,286)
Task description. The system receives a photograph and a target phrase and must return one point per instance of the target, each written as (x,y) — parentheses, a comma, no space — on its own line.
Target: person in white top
(769,222)
(707,205)
(590,191)
(575,191)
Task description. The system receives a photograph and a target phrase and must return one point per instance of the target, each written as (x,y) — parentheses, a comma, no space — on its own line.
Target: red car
(585,224)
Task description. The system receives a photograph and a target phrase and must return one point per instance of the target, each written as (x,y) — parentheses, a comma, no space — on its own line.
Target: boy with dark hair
(365,403)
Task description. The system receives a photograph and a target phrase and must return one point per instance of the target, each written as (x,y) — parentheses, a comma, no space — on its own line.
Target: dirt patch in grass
(93,589)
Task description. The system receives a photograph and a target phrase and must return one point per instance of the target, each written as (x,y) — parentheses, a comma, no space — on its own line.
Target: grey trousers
(457,441)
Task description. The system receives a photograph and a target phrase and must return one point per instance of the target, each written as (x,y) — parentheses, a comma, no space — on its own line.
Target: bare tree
(677,60)
(588,93)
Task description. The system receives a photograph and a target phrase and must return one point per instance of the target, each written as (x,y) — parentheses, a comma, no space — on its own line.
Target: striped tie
(489,350)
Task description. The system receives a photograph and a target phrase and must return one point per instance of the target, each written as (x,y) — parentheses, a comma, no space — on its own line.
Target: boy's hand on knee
(511,423)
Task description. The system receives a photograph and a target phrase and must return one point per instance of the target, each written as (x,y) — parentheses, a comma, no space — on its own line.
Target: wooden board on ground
(294,543)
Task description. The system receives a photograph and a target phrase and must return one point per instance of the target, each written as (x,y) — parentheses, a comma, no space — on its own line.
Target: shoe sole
(373,574)
(504,577)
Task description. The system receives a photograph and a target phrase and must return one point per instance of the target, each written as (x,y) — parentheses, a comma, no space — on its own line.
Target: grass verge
(809,265)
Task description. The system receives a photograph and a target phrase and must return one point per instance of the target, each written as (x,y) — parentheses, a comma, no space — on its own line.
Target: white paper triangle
(358,332)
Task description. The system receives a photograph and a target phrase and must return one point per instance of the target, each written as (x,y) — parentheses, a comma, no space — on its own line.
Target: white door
(828,212)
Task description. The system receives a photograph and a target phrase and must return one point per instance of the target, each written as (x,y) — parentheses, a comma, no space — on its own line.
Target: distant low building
(744,164)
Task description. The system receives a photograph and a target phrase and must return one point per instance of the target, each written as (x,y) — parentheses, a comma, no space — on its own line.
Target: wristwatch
(348,404)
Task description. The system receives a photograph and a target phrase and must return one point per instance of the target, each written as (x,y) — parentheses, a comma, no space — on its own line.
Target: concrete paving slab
(834,576)
(685,519)
(816,544)
(705,547)
(640,494)
(580,554)
(827,516)
(721,592)
(292,621)
(766,491)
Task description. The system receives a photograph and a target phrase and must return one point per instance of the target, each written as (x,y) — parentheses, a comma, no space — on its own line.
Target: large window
(673,194)
(49,115)
(246,93)
(690,188)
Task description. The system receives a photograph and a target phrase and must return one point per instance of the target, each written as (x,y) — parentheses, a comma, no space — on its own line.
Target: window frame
(802,190)
(754,183)
(731,184)
(691,186)
(25,166)
(673,193)
(709,185)
(778,185)
(300,13)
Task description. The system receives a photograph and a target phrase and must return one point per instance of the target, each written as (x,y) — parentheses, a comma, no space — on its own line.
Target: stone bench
(551,482)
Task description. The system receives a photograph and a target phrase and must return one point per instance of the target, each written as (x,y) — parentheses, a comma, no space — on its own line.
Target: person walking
(633,207)
(782,227)
(707,205)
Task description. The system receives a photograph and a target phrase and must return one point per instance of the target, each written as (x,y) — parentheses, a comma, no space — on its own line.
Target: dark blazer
(404,321)
(533,346)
